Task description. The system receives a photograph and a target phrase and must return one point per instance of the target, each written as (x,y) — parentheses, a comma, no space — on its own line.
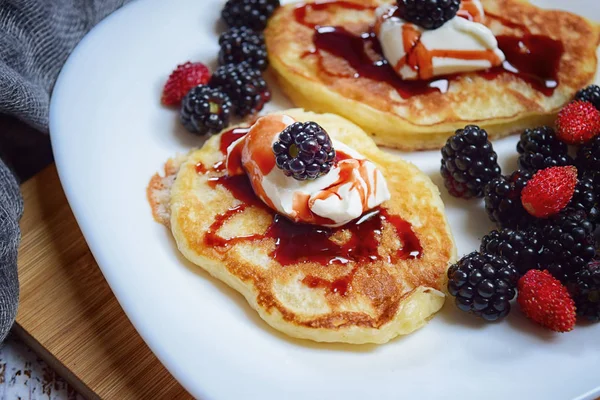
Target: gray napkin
(36,37)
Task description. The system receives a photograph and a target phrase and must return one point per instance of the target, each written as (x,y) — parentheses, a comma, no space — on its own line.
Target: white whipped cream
(342,208)
(352,187)
(433,53)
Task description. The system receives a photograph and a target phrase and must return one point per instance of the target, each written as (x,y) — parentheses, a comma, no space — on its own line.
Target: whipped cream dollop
(353,186)
(462,44)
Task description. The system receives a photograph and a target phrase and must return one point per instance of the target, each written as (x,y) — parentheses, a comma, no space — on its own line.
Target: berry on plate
(578,122)
(567,243)
(590,94)
(469,162)
(430,14)
(520,248)
(585,289)
(253,14)
(182,80)
(503,200)
(244,85)
(205,110)
(544,300)
(549,191)
(539,148)
(243,44)
(588,156)
(585,198)
(304,151)
(483,285)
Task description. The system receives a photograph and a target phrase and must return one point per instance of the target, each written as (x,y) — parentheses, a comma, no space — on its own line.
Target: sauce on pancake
(532,58)
(310,243)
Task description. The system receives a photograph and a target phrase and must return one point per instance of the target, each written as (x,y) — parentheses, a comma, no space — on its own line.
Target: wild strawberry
(544,300)
(549,191)
(578,122)
(182,80)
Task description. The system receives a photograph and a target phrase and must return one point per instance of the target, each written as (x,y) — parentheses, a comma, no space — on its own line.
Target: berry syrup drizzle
(297,243)
(533,58)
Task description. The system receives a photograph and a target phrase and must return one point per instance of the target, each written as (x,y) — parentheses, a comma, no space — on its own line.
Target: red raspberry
(549,191)
(544,300)
(578,122)
(182,80)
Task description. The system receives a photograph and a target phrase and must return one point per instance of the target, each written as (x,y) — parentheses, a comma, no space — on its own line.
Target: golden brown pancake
(502,103)
(284,271)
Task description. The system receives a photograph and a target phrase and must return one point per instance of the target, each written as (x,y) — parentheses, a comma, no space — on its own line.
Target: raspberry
(578,122)
(430,14)
(304,151)
(544,300)
(503,200)
(243,44)
(182,80)
(483,285)
(205,110)
(590,94)
(549,191)
(539,148)
(469,162)
(244,85)
(253,14)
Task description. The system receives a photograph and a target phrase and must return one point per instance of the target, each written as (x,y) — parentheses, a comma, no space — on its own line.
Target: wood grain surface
(68,313)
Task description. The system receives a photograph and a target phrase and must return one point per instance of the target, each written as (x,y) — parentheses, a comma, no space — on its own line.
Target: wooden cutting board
(68,314)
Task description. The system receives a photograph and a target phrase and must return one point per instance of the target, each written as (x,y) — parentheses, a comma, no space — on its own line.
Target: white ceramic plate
(110,134)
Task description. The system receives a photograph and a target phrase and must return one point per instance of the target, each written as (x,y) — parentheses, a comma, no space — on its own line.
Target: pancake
(501,102)
(288,272)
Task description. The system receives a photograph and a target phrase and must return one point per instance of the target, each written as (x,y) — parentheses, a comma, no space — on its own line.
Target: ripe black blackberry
(539,148)
(568,243)
(250,13)
(520,248)
(585,290)
(503,200)
(483,284)
(469,162)
(205,110)
(244,85)
(304,151)
(430,14)
(590,94)
(588,157)
(585,198)
(243,44)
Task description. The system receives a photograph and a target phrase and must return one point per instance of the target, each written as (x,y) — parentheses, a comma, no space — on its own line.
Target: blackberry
(468,162)
(250,13)
(483,284)
(590,94)
(539,148)
(205,110)
(304,151)
(503,200)
(520,248)
(588,156)
(585,198)
(568,244)
(243,44)
(585,290)
(244,85)
(430,14)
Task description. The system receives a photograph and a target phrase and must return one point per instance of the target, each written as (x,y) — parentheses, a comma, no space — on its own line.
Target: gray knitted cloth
(36,37)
